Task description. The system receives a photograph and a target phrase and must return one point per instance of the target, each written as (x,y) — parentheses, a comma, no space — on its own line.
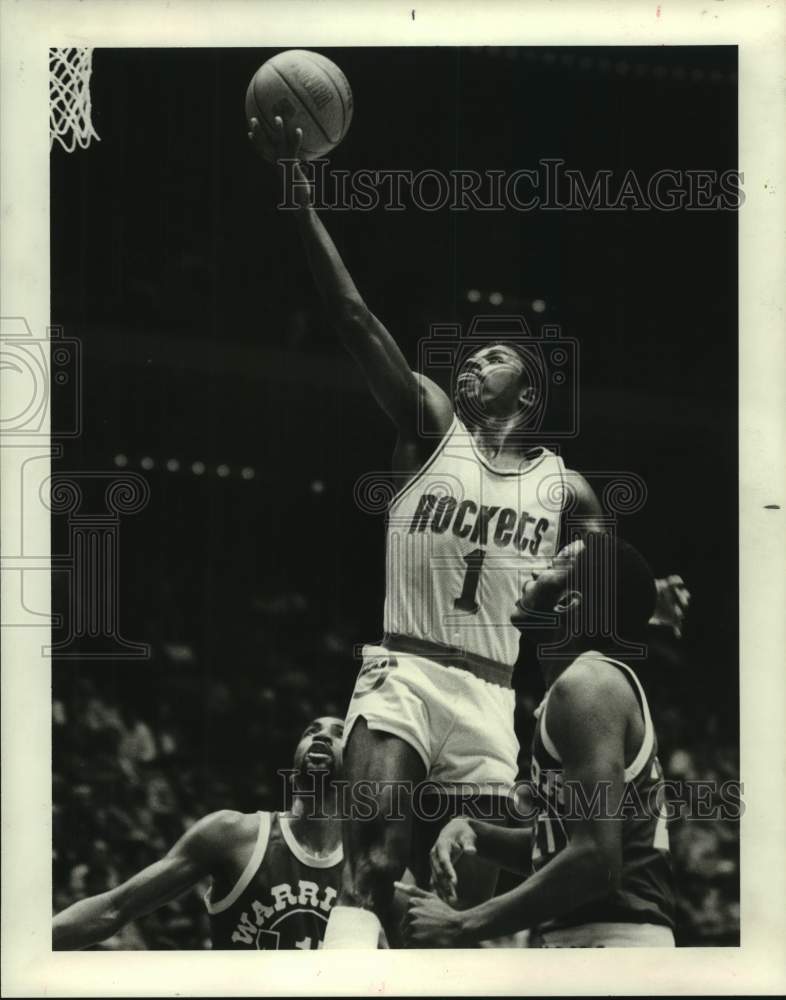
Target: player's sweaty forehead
(331,723)
(494,353)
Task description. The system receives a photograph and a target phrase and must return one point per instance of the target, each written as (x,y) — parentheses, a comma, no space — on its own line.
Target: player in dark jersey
(274,877)
(598,856)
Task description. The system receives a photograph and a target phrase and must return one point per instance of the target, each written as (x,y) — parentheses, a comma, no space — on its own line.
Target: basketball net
(69,98)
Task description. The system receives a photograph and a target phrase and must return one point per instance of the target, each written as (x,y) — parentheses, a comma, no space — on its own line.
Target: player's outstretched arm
(410,401)
(587,719)
(99,917)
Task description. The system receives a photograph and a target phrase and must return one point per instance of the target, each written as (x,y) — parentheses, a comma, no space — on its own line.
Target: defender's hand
(429,922)
(671,604)
(456,838)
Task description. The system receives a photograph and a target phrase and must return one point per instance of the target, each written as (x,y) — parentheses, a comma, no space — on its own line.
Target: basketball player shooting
(598,856)
(274,877)
(434,698)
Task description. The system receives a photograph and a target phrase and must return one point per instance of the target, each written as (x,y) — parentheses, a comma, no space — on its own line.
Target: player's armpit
(415,446)
(420,410)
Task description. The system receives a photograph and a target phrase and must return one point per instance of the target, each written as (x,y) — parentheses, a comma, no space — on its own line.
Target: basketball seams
(346,118)
(302,102)
(337,89)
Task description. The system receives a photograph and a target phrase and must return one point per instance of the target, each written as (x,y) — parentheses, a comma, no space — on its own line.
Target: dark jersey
(282,899)
(646,893)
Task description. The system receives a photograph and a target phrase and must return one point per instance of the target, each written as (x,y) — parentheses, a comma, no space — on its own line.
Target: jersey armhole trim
(645,750)
(636,766)
(427,464)
(548,743)
(248,872)
(634,769)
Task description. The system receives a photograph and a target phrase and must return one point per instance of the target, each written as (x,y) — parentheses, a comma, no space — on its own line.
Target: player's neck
(496,441)
(316,823)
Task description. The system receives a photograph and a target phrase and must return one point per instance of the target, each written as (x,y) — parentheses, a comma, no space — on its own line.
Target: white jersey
(462,539)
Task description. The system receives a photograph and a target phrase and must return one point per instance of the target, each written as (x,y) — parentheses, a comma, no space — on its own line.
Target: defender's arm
(509,849)
(99,917)
(587,720)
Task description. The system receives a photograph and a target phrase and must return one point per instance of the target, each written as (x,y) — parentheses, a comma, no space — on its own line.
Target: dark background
(202,341)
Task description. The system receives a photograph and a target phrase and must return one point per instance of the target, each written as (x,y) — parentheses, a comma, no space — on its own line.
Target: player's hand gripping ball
(306,90)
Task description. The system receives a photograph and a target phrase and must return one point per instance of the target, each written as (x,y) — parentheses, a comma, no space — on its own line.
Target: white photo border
(758,966)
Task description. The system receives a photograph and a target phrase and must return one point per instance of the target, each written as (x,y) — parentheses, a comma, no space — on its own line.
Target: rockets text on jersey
(646,893)
(283,898)
(462,538)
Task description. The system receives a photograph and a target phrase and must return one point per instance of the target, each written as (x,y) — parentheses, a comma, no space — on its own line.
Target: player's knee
(370,882)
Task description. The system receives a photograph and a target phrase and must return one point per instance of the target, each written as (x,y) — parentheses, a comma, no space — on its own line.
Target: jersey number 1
(466,599)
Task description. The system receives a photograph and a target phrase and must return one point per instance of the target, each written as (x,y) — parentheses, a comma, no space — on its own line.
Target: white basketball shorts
(460,725)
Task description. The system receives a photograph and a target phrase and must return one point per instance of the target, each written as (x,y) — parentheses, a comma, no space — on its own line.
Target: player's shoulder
(581,496)
(221,830)
(591,684)
(435,418)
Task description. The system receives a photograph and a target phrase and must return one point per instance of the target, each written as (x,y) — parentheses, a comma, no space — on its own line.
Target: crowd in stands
(141,752)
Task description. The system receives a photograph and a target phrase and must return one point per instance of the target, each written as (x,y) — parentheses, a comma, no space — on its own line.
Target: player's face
(548,591)
(490,381)
(320,747)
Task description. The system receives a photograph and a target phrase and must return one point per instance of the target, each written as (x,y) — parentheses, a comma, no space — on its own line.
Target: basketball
(309,92)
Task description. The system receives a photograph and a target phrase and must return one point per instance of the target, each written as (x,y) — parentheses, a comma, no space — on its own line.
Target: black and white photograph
(387,434)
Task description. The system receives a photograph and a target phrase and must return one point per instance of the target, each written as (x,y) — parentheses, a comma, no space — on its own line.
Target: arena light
(222,471)
(538,306)
(473,295)
(172,465)
(198,468)
(496,298)
(121,461)
(247,472)
(147,463)
(317,486)
(179,652)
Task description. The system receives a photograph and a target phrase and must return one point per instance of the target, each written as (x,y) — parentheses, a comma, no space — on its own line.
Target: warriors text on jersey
(646,892)
(462,539)
(282,899)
